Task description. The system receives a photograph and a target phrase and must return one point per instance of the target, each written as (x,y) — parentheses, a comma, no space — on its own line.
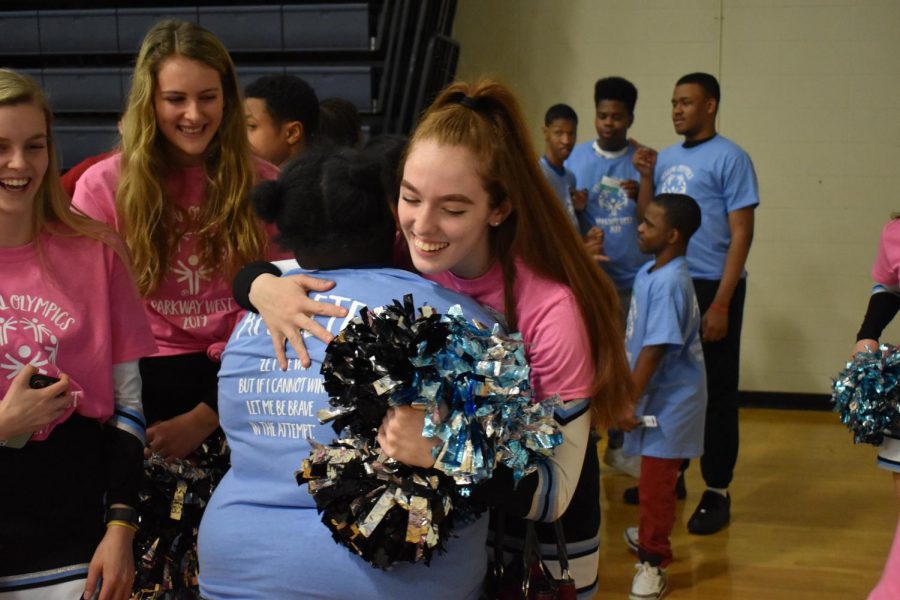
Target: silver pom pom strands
(172,500)
(473,385)
(866,394)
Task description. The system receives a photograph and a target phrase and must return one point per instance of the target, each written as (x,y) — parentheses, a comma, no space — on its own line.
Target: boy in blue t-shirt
(560,128)
(662,340)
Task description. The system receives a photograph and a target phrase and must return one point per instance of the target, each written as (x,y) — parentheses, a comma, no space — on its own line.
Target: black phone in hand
(39,381)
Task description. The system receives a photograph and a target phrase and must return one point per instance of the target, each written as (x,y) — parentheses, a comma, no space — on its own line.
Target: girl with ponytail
(480,218)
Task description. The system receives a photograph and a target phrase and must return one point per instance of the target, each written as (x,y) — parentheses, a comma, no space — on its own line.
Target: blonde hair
(228,234)
(485,118)
(53,211)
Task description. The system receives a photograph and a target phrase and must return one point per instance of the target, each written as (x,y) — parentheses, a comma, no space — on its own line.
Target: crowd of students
(703,190)
(116,307)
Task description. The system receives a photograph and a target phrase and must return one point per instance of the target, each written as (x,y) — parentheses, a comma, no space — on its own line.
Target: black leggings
(51,505)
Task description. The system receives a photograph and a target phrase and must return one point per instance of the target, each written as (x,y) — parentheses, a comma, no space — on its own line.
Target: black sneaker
(630,495)
(712,514)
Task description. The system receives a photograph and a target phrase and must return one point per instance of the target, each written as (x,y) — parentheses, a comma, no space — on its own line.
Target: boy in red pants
(663,345)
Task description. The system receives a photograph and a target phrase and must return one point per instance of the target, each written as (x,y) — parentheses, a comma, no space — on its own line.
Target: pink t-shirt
(886,269)
(192,310)
(71,308)
(556,342)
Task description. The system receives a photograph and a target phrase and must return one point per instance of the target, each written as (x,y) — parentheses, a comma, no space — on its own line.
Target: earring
(495,224)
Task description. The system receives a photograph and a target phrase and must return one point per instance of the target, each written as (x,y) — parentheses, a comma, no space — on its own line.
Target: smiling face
(444,211)
(23,161)
(612,122)
(189,105)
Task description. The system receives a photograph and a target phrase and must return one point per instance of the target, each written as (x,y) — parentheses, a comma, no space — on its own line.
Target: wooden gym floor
(812,517)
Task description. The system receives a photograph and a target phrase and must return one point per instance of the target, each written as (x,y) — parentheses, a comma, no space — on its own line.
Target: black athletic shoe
(712,514)
(630,495)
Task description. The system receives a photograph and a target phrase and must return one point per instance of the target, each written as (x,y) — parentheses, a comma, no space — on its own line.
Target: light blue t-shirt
(719,175)
(261,536)
(664,311)
(609,208)
(561,183)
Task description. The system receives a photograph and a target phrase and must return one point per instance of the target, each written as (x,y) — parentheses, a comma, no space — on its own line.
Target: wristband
(117,523)
(718,309)
(245,278)
(122,516)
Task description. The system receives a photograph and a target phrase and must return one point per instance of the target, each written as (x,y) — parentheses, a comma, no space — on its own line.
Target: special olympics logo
(675,183)
(612,200)
(675,180)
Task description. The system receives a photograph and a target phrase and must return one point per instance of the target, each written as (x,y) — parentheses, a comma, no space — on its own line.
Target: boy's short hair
(560,111)
(287,98)
(682,213)
(341,124)
(616,88)
(708,82)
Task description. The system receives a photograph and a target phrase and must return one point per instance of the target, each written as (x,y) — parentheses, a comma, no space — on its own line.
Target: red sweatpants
(656,489)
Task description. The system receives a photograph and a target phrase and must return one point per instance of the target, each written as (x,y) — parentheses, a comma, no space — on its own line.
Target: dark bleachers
(78,31)
(376,54)
(326,26)
(252,28)
(19,33)
(77,142)
(414,25)
(244,29)
(133,23)
(438,69)
(86,90)
(353,83)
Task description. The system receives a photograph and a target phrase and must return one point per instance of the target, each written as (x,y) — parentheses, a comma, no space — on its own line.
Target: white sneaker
(631,538)
(630,465)
(649,582)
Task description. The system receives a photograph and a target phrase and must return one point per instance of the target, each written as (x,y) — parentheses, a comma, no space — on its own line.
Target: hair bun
(364,173)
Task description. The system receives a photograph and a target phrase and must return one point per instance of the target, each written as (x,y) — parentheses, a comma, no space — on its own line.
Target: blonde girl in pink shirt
(70,451)
(179,195)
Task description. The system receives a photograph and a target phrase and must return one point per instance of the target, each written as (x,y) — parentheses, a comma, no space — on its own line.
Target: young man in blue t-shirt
(719,175)
(604,168)
(663,345)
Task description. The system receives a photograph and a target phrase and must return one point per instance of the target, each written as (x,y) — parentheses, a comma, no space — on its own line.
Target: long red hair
(485,118)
